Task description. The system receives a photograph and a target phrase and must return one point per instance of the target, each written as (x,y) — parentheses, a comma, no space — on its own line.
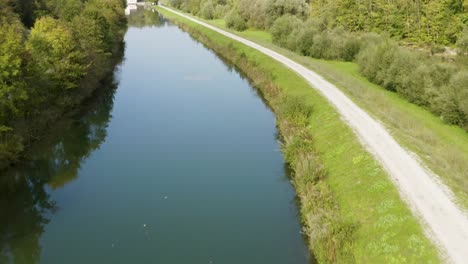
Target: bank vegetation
(350,210)
(53,54)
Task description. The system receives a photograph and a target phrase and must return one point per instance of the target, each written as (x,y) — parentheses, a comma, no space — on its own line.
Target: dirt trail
(430,200)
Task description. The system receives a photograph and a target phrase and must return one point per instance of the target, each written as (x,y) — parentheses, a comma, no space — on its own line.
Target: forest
(53,55)
(417,49)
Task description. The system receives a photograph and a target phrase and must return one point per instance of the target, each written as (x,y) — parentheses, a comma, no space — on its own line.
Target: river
(177,161)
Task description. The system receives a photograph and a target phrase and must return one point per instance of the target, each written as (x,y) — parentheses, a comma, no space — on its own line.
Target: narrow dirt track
(425,196)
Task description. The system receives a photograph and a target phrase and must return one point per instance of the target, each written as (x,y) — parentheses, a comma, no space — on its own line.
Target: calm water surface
(179,164)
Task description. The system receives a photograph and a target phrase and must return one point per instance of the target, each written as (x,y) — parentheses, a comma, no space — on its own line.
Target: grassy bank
(350,210)
(441,147)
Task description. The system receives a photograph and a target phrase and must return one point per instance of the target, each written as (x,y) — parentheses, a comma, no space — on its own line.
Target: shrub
(351,48)
(374,60)
(372,39)
(418,85)
(263,13)
(308,40)
(305,36)
(253,11)
(454,100)
(235,21)
(221,11)
(284,29)
(278,8)
(425,83)
(395,76)
(207,11)
(305,40)
(462,42)
(320,46)
(296,110)
(459,83)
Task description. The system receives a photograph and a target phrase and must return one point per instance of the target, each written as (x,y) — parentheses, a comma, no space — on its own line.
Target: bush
(278,8)
(208,10)
(235,21)
(374,60)
(351,48)
(263,13)
(305,40)
(284,29)
(424,84)
(462,42)
(403,63)
(459,83)
(422,80)
(304,37)
(453,101)
(253,12)
(221,11)
(296,110)
(320,46)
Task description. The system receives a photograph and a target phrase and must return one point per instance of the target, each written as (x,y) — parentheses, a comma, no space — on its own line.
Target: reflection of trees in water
(56,160)
(144,17)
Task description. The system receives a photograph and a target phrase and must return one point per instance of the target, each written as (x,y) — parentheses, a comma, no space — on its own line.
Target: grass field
(441,147)
(350,209)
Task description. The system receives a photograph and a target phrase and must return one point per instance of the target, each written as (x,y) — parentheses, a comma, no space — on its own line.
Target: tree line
(348,31)
(53,55)
(432,22)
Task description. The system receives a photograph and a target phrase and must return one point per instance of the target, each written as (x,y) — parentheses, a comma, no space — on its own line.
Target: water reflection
(126,207)
(144,17)
(288,171)
(24,201)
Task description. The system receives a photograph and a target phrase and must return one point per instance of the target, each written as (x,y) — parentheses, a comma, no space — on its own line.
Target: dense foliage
(429,81)
(434,22)
(367,33)
(53,54)
(438,21)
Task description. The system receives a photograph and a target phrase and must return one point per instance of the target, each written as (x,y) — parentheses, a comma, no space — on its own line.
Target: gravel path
(426,196)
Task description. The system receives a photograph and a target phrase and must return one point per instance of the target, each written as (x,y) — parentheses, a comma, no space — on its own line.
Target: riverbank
(350,210)
(442,147)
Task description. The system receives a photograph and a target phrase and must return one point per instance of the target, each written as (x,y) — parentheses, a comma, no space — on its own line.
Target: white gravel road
(429,200)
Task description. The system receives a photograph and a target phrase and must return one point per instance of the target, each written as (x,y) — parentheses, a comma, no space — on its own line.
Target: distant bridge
(136,2)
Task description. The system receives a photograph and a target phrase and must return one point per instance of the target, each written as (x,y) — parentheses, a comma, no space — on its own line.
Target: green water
(178,163)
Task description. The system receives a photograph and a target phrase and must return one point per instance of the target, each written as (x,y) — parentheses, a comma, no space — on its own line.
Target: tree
(65,9)
(12,53)
(56,52)
(12,86)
